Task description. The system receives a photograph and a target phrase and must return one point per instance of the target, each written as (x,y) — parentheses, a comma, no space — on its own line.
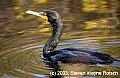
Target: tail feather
(117,60)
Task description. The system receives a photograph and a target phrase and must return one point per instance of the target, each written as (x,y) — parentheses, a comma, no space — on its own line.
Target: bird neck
(52,42)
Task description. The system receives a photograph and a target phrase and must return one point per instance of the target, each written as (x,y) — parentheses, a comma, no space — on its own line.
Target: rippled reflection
(89,24)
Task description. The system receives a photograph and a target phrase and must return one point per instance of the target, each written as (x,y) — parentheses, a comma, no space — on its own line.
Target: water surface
(87,24)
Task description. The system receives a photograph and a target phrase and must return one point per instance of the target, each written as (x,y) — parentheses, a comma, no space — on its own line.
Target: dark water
(88,24)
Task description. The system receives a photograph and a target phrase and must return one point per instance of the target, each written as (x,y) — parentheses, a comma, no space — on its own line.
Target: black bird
(67,55)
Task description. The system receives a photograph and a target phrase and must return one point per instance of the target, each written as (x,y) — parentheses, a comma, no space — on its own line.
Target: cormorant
(66,55)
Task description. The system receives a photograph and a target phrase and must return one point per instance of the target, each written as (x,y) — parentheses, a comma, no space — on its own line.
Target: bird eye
(44,14)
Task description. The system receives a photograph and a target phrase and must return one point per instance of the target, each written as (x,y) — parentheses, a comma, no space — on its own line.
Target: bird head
(49,15)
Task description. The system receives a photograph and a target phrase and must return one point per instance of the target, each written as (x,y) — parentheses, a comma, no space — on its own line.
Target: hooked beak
(39,14)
